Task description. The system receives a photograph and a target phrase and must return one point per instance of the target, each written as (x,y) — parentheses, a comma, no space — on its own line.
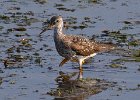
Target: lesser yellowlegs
(74,47)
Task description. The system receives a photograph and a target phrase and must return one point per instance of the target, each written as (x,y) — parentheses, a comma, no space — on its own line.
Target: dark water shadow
(72,86)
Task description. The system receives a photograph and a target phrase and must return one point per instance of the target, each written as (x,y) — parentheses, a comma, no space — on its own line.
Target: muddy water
(29,62)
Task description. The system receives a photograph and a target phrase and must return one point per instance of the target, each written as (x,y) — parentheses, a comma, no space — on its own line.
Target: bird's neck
(58,31)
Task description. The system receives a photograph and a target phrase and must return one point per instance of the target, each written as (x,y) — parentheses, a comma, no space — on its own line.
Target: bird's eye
(57,20)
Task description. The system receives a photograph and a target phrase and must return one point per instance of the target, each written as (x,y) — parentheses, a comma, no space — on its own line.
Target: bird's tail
(104,47)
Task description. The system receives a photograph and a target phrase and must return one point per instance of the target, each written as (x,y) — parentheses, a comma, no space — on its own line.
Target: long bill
(50,26)
(44,30)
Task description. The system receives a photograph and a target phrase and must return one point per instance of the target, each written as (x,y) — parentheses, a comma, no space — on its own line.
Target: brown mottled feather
(84,47)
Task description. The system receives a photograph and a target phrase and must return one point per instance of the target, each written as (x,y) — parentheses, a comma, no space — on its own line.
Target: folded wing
(84,47)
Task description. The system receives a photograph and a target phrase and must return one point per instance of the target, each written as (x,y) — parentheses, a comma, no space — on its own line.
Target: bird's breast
(62,48)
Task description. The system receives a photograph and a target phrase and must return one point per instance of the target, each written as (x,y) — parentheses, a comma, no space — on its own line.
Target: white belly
(82,58)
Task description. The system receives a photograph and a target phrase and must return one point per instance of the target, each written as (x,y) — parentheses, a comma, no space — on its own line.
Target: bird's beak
(50,26)
(44,30)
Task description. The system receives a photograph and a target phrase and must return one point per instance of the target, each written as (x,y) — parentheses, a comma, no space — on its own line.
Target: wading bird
(74,47)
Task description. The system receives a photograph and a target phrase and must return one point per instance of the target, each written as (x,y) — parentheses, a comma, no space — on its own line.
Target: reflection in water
(72,86)
(0,80)
(41,1)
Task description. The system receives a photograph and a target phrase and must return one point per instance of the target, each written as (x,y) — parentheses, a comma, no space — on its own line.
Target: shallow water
(31,60)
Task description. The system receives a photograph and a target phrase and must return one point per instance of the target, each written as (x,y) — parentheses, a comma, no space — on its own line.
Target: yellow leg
(80,75)
(63,62)
(80,65)
(81,69)
(83,62)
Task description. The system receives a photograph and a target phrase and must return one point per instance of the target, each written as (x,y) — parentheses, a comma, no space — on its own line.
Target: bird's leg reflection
(64,77)
(71,87)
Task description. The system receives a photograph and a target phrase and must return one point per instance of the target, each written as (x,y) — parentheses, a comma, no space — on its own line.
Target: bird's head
(55,22)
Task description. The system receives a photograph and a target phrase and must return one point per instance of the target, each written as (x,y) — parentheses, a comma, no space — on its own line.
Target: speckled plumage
(73,46)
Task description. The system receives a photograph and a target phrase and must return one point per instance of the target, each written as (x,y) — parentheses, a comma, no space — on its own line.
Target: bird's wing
(81,45)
